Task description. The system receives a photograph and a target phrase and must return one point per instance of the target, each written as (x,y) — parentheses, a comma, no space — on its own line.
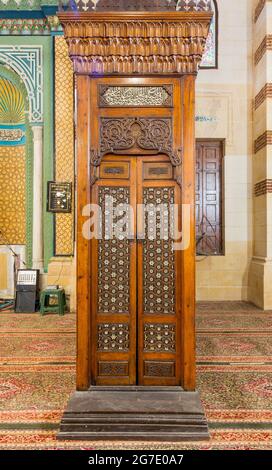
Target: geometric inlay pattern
(158,253)
(113,256)
(27,61)
(64,142)
(13,195)
(159,337)
(209,59)
(113,337)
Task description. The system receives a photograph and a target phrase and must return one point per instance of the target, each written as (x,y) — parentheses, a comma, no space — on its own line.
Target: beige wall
(225,97)
(260,280)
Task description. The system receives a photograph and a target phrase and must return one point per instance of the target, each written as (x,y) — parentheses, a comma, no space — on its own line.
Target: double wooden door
(135,275)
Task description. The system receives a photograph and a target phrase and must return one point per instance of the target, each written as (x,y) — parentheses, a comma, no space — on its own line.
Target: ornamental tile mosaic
(158,255)
(209,58)
(13,194)
(64,141)
(12,105)
(27,61)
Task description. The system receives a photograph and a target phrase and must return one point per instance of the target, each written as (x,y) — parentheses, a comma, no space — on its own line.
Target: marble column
(37,237)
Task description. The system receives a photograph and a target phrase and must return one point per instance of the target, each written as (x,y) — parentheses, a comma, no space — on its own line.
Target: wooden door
(113,280)
(209,155)
(136,298)
(159,281)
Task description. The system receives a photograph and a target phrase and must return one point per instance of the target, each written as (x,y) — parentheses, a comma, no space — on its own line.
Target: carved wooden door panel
(136,301)
(159,296)
(113,279)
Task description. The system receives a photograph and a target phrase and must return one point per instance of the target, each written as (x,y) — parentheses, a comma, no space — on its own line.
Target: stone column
(260,280)
(37,237)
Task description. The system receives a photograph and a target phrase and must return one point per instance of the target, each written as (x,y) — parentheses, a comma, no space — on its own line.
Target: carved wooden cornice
(138,42)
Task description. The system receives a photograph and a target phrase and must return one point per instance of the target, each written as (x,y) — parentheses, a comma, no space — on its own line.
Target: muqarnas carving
(136,5)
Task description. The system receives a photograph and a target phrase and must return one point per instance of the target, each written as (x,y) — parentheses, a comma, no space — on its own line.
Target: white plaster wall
(225,96)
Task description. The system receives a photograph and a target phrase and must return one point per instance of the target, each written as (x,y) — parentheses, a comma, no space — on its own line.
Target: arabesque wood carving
(135,75)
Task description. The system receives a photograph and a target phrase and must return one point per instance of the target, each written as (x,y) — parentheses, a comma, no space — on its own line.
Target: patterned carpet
(234,346)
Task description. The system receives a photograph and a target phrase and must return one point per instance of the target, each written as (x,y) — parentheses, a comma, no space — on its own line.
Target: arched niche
(21,105)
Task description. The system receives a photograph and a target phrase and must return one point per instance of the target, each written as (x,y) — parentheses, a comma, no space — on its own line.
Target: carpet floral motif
(12,386)
(234,373)
(262,387)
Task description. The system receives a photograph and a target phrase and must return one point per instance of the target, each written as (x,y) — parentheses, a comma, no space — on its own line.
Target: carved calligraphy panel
(140,96)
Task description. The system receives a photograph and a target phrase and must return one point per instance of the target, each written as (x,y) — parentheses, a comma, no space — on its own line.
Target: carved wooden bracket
(118,135)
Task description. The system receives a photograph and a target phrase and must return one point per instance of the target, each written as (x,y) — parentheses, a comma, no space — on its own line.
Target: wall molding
(30,26)
(266,45)
(263,187)
(262,141)
(258,10)
(265,93)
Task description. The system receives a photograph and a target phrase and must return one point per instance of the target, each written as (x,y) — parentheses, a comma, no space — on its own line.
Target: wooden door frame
(83,246)
(176,52)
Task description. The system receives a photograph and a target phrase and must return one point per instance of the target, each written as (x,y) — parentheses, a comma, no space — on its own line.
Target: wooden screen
(159,283)
(209,197)
(114,280)
(136,301)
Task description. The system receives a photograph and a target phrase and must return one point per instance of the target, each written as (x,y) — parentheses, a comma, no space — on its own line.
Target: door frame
(184,107)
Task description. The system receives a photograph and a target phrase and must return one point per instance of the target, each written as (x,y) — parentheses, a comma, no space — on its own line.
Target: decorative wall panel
(159,337)
(159,369)
(13,195)
(136,96)
(27,61)
(12,114)
(64,141)
(113,337)
(113,368)
(209,59)
(120,134)
(158,255)
(137,5)
(113,258)
(169,42)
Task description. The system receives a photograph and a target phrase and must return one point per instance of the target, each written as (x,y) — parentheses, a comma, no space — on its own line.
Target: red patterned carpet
(234,346)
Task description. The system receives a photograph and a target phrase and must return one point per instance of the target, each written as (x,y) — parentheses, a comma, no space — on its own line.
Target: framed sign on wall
(59,197)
